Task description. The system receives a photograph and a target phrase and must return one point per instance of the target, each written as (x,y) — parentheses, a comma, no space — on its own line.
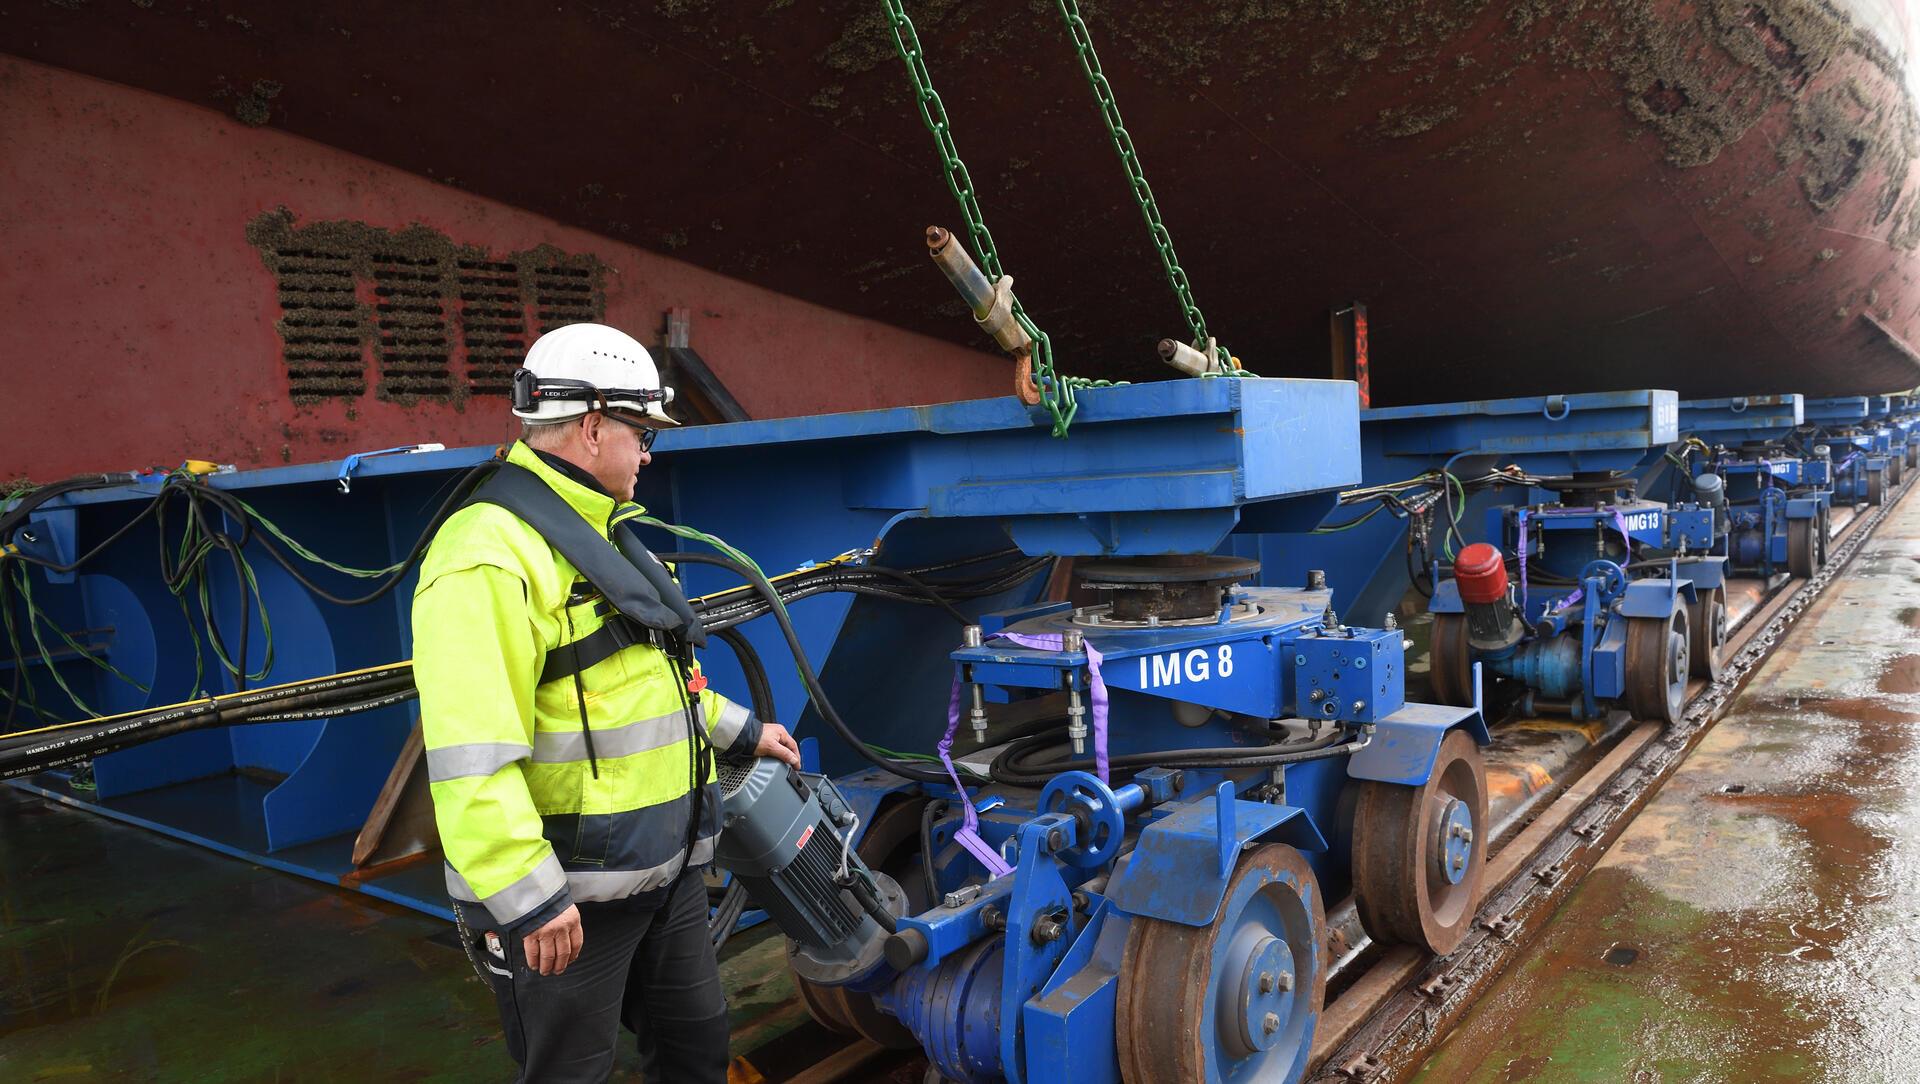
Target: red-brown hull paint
(140,322)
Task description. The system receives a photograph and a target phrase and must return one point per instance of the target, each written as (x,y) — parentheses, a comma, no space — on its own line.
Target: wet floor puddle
(1760,920)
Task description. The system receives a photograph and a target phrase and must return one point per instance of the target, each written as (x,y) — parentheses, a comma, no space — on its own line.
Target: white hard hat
(584,367)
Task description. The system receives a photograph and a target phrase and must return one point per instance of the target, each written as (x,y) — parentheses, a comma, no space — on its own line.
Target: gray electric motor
(781,833)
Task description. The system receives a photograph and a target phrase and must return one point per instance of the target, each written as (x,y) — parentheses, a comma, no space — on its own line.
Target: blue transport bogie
(1771,492)
(1106,878)
(1595,615)
(1856,432)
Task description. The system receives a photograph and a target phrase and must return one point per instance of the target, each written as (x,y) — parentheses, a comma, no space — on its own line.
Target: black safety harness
(641,604)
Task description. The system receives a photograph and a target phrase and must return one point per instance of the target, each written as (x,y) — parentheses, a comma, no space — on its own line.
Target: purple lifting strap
(1097,683)
(1619,524)
(969,834)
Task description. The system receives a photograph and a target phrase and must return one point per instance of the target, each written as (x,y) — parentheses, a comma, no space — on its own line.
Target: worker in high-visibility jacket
(570,734)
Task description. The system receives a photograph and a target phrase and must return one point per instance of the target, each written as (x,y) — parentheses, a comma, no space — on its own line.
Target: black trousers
(650,968)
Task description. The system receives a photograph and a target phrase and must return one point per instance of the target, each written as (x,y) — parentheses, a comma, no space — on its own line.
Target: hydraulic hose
(759,691)
(1021,764)
(929,813)
(807,675)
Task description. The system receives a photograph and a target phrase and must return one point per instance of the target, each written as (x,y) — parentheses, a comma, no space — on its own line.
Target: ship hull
(1714,197)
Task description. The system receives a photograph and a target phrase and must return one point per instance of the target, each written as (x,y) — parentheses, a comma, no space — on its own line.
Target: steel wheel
(890,843)
(1234,1002)
(1823,537)
(1893,469)
(1802,547)
(1657,666)
(1913,455)
(1707,631)
(1419,852)
(1876,487)
(1450,661)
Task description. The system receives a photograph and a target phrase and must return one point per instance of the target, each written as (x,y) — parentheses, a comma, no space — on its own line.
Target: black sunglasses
(648,434)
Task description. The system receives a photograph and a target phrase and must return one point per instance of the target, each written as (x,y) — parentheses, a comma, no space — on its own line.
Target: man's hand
(553,946)
(776,742)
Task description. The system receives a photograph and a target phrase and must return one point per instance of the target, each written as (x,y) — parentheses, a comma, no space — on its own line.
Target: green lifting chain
(1137,180)
(1056,391)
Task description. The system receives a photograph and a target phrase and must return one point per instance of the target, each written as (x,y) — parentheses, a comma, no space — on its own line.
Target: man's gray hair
(546,435)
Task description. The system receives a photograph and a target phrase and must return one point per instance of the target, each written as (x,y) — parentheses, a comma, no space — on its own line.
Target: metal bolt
(1266,982)
(1270,1023)
(1459,862)
(1330,620)
(1359,706)
(1391,622)
(972,636)
(1316,695)
(1466,835)
(1056,839)
(1048,929)
(1072,641)
(1316,579)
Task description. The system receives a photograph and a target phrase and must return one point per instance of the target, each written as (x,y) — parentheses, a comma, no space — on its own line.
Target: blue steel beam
(1743,418)
(1837,411)
(1154,468)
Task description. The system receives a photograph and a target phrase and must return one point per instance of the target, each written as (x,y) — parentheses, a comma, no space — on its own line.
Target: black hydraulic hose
(759,690)
(807,675)
(726,914)
(305,700)
(917,584)
(932,811)
(734,611)
(12,518)
(462,488)
(316,690)
(279,708)
(1015,765)
(19,659)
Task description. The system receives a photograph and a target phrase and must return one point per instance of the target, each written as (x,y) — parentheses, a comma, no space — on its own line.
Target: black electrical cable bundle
(731,609)
(29,502)
(35,751)
(202,536)
(727,909)
(733,901)
(1033,761)
(930,813)
(807,675)
(463,487)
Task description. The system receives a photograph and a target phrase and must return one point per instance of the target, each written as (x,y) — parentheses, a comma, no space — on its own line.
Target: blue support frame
(1545,435)
(1151,468)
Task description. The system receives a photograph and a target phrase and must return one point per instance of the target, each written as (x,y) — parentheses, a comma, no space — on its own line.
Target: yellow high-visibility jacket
(527,825)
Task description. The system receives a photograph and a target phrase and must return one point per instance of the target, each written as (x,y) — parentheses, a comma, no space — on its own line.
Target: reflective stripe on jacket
(526,825)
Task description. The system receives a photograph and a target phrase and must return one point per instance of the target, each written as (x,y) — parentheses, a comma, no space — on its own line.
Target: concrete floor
(127,956)
(1760,921)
